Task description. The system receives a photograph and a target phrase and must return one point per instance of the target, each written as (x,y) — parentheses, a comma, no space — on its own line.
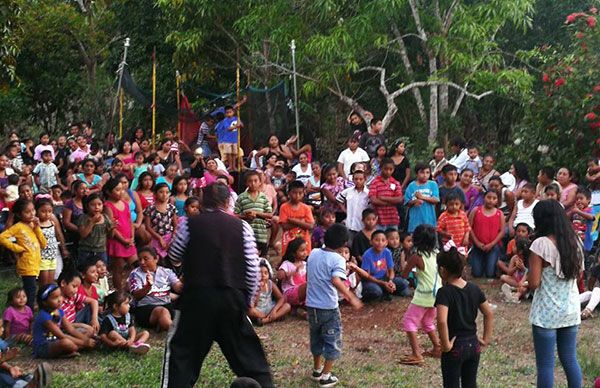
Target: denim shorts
(325,333)
(85,256)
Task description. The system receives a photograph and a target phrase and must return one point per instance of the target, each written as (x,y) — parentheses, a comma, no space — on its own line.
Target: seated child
(381,281)
(326,219)
(117,330)
(17,317)
(80,311)
(151,286)
(362,240)
(89,276)
(292,273)
(521,231)
(516,277)
(54,335)
(353,273)
(102,287)
(269,305)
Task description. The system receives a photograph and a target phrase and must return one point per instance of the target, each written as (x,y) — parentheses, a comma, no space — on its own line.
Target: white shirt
(460,160)
(355,201)
(348,158)
(303,176)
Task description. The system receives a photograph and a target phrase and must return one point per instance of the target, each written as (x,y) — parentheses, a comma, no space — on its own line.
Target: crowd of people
(97,231)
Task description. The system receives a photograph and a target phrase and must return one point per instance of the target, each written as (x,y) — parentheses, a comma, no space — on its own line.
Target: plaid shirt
(455,226)
(388,215)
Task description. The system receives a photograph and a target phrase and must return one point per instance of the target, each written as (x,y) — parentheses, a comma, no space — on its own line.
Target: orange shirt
(456,226)
(300,212)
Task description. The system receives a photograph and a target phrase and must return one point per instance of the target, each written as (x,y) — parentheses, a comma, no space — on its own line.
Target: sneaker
(507,291)
(316,375)
(139,348)
(330,382)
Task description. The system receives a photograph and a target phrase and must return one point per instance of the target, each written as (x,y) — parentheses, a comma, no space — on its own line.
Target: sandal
(586,314)
(433,353)
(411,359)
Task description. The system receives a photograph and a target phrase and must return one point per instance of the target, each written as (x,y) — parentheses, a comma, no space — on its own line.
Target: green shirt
(245,203)
(428,281)
(96,241)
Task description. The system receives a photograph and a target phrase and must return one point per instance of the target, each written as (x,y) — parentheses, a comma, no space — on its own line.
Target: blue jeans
(325,332)
(484,263)
(373,291)
(565,340)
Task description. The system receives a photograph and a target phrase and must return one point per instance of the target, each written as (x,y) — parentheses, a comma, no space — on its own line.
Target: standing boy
(450,174)
(371,140)
(385,194)
(356,200)
(254,207)
(295,217)
(46,173)
(227,135)
(421,197)
(325,273)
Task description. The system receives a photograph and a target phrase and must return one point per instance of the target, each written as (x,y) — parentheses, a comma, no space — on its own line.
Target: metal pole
(178,83)
(120,113)
(293,47)
(154,98)
(238,164)
(120,71)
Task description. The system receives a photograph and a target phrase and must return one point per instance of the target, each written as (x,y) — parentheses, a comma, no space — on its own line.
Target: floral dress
(339,185)
(162,223)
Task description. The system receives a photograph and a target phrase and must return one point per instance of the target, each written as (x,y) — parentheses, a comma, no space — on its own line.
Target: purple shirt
(20,321)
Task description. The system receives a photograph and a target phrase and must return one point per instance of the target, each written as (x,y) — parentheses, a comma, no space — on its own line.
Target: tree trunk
(433,101)
(266,82)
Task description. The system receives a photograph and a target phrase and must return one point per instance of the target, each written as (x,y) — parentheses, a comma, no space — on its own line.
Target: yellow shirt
(28,247)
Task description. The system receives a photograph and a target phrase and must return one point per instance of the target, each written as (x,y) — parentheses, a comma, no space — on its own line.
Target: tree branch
(421,84)
(417,18)
(448,16)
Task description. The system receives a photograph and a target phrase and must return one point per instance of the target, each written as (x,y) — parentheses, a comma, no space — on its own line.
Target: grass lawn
(373,343)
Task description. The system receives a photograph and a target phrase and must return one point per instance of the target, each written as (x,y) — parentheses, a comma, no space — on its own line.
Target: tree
(9,46)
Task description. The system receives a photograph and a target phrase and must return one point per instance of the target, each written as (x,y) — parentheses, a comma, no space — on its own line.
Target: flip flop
(411,360)
(433,354)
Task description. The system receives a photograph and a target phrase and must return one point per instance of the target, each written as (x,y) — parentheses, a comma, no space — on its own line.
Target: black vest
(215,253)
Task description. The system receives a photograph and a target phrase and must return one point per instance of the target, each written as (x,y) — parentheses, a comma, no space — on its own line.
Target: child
(17,317)
(46,173)
(371,140)
(151,286)
(487,231)
(474,162)
(516,278)
(117,330)
(457,303)
(120,246)
(450,175)
(56,193)
(453,223)
(53,335)
(157,167)
(292,273)
(362,240)
(278,176)
(395,247)
(94,229)
(378,264)
(552,191)
(355,200)
(79,310)
(197,169)
(253,206)
(385,194)
(13,376)
(160,219)
(421,311)
(227,136)
(12,190)
(326,218)
(55,242)
(523,211)
(332,186)
(295,217)
(89,277)
(101,285)
(145,189)
(179,244)
(140,167)
(582,218)
(326,272)
(521,231)
(26,239)
(269,305)
(421,197)
(179,194)
(89,177)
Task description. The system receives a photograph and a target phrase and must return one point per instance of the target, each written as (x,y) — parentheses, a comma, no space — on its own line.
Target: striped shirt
(387,214)
(245,203)
(71,305)
(456,226)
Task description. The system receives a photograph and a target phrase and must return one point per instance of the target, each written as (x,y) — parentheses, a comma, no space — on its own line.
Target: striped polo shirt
(245,203)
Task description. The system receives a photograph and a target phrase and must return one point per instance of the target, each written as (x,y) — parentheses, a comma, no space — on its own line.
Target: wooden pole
(178,83)
(154,98)
(121,113)
(237,95)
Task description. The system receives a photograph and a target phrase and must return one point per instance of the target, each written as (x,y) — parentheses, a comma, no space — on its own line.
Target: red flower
(595,125)
(559,82)
(597,89)
(594,10)
(571,18)
(579,35)
(591,21)
(546,78)
(589,96)
(591,116)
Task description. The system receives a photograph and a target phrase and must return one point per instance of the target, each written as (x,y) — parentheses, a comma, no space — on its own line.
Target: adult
(218,289)
(459,149)
(285,151)
(401,164)
(110,145)
(165,153)
(74,130)
(486,172)
(521,174)
(555,264)
(126,155)
(81,152)
(471,193)
(213,172)
(373,138)
(88,131)
(356,124)
(303,169)
(136,139)
(437,163)
(568,189)
(169,176)
(349,156)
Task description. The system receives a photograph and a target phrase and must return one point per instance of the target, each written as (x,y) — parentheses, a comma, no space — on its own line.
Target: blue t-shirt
(3,346)
(41,335)
(377,264)
(424,214)
(224,135)
(321,267)
(161,179)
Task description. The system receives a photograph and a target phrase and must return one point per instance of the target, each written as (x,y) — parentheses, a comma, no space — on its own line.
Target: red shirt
(388,215)
(83,292)
(454,225)
(486,228)
(71,305)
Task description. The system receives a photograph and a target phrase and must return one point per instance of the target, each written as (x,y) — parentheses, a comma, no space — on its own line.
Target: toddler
(17,317)
(516,277)
(269,305)
(117,330)
(326,218)
(292,273)
(453,223)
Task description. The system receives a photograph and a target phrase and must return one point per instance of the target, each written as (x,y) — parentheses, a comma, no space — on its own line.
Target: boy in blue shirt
(227,137)
(378,263)
(325,274)
(421,197)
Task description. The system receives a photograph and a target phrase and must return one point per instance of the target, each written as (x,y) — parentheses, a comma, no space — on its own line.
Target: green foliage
(9,45)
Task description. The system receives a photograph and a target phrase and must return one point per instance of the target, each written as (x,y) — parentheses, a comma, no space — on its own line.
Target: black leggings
(30,287)
(459,366)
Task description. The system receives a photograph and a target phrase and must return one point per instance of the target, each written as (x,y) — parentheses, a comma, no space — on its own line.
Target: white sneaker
(139,348)
(507,291)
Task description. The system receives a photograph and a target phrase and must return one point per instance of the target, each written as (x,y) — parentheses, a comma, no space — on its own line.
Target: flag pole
(119,83)
(178,85)
(293,47)
(120,113)
(154,98)
(237,94)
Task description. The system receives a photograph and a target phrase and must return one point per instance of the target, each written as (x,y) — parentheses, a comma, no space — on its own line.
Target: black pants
(459,366)
(210,315)
(30,287)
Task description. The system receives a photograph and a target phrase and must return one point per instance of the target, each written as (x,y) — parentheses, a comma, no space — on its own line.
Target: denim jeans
(325,332)
(373,291)
(565,340)
(460,364)
(484,263)
(30,287)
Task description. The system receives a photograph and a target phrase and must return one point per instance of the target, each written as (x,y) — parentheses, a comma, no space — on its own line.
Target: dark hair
(385,162)
(19,207)
(421,166)
(336,236)
(551,220)
(425,239)
(39,202)
(13,179)
(56,187)
(110,185)
(88,199)
(325,171)
(389,231)
(496,178)
(529,186)
(376,233)
(521,171)
(83,267)
(215,196)
(529,230)
(292,248)
(141,179)
(295,185)
(12,293)
(452,196)
(88,160)
(452,261)
(44,134)
(324,211)
(403,236)
(191,200)
(486,192)
(548,171)
(116,298)
(367,212)
(44,292)
(250,173)
(458,142)
(584,191)
(75,185)
(448,168)
(522,244)
(359,172)
(176,181)
(228,107)
(148,249)
(374,121)
(552,187)
(353,139)
(159,186)
(46,152)
(121,145)
(67,275)
(466,170)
